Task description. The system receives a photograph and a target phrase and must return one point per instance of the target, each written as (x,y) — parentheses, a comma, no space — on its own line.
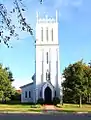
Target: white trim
(44,87)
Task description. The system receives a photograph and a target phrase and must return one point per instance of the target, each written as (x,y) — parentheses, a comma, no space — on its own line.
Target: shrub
(56,100)
(40,101)
(35,106)
(16,96)
(58,105)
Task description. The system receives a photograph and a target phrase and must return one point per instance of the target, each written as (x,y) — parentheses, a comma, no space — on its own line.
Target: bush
(35,106)
(56,100)
(59,105)
(16,96)
(40,101)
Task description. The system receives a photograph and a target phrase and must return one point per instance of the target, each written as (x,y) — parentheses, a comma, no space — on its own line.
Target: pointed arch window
(41,33)
(40,93)
(47,57)
(29,94)
(25,94)
(52,34)
(47,34)
(47,75)
(55,93)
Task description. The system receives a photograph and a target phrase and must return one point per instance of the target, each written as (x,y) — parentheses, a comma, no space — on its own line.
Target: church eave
(26,85)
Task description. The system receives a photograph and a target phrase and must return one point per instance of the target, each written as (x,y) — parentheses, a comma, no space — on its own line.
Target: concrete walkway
(50,109)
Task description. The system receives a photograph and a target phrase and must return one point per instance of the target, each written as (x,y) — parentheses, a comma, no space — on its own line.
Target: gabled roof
(26,85)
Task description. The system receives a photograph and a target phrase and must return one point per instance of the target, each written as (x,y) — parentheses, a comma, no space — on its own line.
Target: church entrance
(48,95)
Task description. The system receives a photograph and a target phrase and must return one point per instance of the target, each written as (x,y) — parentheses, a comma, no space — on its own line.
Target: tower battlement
(47,19)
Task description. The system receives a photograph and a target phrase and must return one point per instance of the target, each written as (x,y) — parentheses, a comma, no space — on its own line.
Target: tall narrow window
(29,94)
(52,34)
(40,93)
(42,34)
(47,34)
(47,75)
(25,94)
(55,93)
(47,57)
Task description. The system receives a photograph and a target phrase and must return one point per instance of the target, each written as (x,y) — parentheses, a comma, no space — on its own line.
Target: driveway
(61,116)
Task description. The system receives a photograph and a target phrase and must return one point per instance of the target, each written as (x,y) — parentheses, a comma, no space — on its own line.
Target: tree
(16,96)
(6,21)
(10,75)
(88,77)
(75,82)
(6,89)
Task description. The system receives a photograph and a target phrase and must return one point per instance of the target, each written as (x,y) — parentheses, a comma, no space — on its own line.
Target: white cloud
(49,7)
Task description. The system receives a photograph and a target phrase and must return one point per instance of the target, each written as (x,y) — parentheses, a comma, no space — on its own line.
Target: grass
(73,108)
(20,108)
(29,108)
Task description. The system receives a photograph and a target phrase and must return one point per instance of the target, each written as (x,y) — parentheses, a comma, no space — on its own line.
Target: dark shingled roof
(26,85)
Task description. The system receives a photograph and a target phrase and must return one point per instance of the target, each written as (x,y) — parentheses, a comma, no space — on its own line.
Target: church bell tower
(47,53)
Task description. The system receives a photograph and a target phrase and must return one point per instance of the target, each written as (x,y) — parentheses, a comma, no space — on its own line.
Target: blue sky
(74,17)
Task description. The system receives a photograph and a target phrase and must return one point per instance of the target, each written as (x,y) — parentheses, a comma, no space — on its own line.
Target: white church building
(47,78)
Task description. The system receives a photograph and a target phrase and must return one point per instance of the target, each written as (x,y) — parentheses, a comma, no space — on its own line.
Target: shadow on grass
(72,111)
(29,110)
(17,103)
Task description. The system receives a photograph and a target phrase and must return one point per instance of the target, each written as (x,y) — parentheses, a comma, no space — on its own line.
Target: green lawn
(26,108)
(73,108)
(20,108)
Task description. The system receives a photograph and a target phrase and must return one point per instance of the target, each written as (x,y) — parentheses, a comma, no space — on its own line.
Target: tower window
(55,93)
(47,76)
(40,93)
(52,34)
(25,94)
(42,34)
(47,34)
(29,94)
(47,57)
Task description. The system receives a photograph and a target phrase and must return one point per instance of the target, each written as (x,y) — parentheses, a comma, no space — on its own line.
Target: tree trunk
(80,101)
(61,100)
(89,98)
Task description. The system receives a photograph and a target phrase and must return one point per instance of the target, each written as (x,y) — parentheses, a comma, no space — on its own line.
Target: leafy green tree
(6,89)
(75,82)
(88,82)
(16,96)
(10,75)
